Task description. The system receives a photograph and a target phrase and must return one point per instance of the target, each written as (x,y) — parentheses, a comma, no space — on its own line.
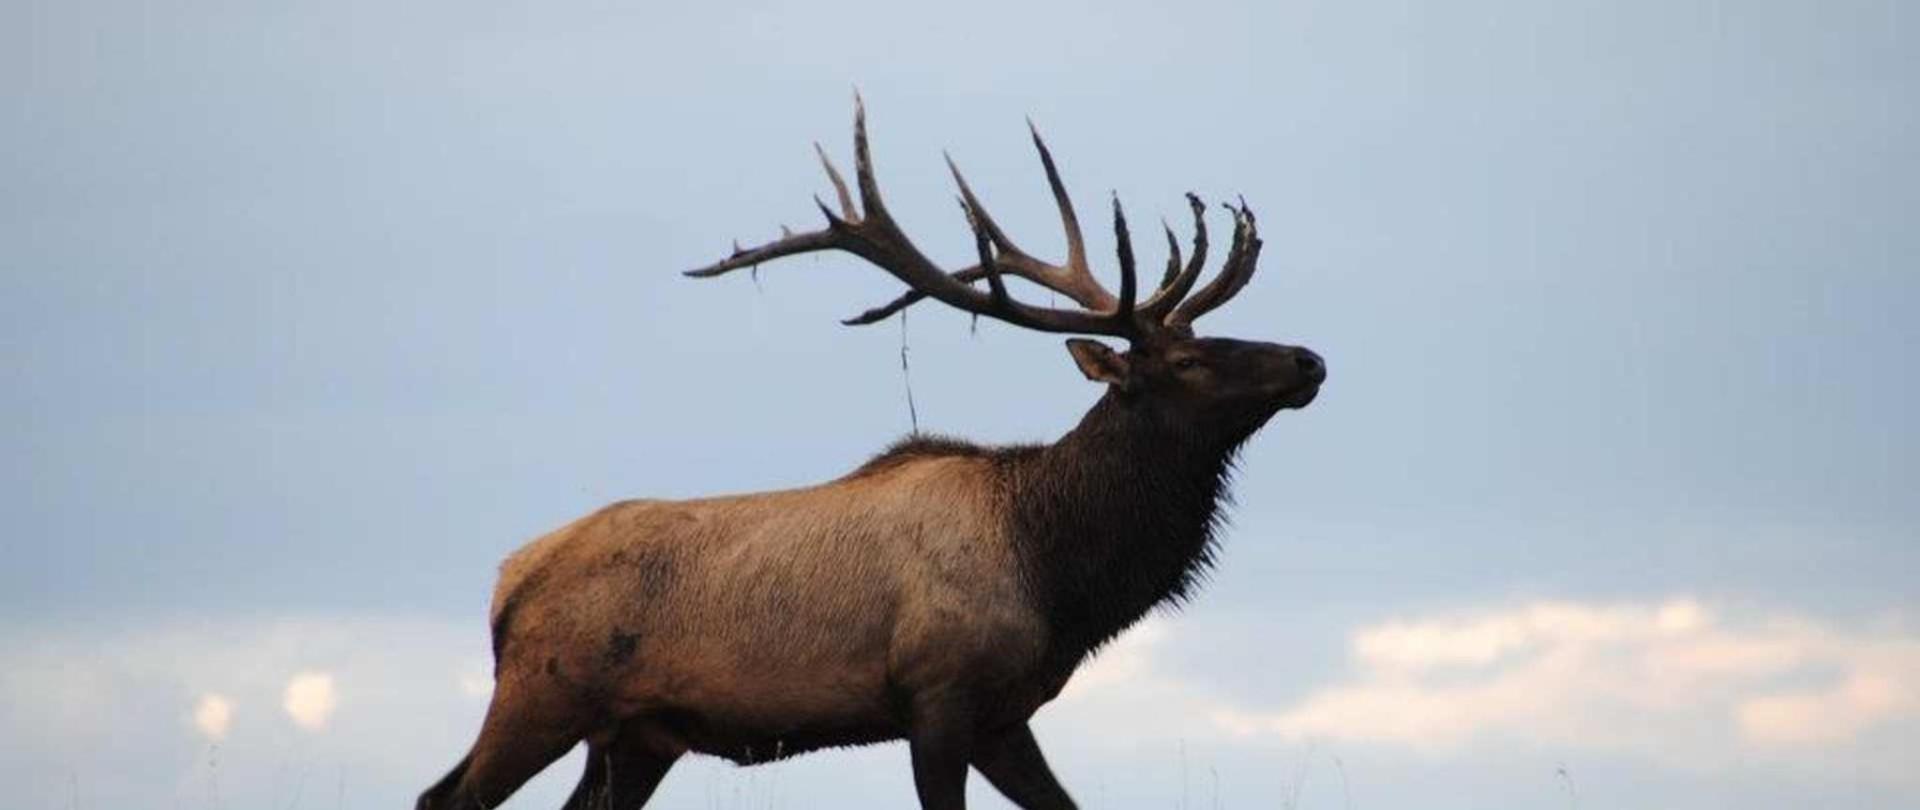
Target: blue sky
(309,314)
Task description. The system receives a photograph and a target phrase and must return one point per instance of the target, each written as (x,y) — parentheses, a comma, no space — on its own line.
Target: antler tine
(911,297)
(1076,273)
(1173,258)
(829,238)
(1076,246)
(863,165)
(839,184)
(977,216)
(1073,279)
(1213,294)
(1012,260)
(874,236)
(1242,258)
(977,220)
(1163,302)
(1123,244)
(1018,262)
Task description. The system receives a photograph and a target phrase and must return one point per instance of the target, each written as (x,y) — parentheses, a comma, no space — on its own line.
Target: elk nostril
(1309,364)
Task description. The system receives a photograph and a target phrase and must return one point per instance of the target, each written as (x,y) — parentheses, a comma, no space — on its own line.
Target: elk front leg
(941,741)
(1011,760)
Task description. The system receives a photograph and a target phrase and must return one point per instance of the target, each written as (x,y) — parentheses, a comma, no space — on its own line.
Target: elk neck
(1117,517)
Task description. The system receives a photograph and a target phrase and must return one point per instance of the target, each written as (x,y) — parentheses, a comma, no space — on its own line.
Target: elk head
(1167,374)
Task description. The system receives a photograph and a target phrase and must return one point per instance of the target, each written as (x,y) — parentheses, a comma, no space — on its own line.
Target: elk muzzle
(1296,374)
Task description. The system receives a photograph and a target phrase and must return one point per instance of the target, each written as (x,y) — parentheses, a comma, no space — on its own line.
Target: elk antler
(872,234)
(1234,275)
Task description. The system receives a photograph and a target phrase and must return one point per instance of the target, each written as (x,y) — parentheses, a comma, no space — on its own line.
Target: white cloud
(213,716)
(400,700)
(1122,699)
(1835,714)
(1125,661)
(1668,677)
(310,700)
(128,709)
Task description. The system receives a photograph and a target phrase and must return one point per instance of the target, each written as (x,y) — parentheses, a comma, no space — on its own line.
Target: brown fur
(760,626)
(771,615)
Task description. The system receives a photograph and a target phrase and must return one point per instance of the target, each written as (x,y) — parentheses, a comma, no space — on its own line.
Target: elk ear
(1098,361)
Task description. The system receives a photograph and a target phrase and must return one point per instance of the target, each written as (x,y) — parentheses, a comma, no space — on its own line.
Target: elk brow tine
(839,184)
(1123,311)
(1252,260)
(1249,259)
(1233,278)
(1076,246)
(1222,284)
(1215,292)
(1239,266)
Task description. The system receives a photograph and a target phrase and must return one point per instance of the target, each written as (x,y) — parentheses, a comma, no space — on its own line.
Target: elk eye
(1187,362)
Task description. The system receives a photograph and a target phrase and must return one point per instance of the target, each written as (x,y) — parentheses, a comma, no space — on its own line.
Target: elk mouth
(1300,397)
(1290,395)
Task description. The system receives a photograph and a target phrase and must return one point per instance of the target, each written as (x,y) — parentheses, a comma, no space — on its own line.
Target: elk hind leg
(520,736)
(437,795)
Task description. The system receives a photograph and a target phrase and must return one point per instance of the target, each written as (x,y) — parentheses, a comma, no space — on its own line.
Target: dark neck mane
(1115,518)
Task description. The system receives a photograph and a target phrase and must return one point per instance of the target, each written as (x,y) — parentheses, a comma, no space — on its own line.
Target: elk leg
(591,792)
(1012,762)
(437,795)
(518,738)
(620,775)
(941,741)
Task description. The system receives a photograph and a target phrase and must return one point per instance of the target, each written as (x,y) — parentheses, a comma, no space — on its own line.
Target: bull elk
(941,593)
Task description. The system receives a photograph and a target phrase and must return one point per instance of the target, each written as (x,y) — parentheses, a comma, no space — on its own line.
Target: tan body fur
(764,625)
